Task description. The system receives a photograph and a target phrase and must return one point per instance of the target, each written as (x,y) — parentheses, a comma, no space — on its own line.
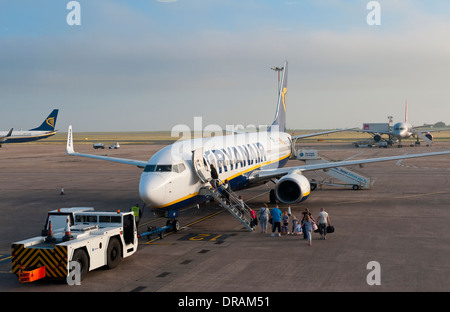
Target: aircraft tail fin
(280,115)
(49,123)
(406,111)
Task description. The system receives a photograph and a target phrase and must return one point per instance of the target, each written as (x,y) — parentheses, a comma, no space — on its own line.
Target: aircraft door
(200,165)
(293,151)
(128,229)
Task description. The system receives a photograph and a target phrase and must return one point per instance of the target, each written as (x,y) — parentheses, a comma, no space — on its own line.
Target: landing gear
(174,224)
(272,197)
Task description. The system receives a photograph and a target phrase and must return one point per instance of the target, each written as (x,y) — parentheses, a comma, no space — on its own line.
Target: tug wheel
(113,254)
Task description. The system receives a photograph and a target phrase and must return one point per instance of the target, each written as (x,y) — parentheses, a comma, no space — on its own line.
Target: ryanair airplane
(45,130)
(172,177)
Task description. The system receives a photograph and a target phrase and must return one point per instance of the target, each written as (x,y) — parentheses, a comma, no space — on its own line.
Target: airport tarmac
(401,223)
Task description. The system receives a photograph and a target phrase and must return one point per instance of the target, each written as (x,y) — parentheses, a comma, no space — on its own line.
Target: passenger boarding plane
(404,130)
(45,130)
(173,176)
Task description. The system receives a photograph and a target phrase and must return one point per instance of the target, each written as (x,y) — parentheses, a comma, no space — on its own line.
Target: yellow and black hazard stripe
(54,259)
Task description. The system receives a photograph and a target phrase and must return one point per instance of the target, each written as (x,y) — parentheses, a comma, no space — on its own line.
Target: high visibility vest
(135,210)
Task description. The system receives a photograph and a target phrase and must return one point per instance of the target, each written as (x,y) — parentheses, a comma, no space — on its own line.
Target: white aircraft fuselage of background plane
(404,130)
(173,176)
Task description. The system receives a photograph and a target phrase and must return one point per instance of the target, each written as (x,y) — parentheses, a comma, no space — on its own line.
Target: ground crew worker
(137,213)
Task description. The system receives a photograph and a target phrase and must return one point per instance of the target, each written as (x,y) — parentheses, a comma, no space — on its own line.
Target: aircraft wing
(302,136)
(430,130)
(267,174)
(421,129)
(372,131)
(70,151)
(420,133)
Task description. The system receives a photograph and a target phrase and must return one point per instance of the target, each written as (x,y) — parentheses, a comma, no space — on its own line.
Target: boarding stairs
(236,207)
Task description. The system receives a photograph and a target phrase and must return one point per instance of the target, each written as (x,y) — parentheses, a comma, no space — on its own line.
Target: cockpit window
(163,168)
(149,168)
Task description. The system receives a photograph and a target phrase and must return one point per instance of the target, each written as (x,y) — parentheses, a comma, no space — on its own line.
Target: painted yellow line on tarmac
(3,259)
(202,219)
(151,242)
(420,195)
(395,197)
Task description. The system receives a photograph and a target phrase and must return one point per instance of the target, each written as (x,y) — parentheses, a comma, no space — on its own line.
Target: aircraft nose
(399,132)
(152,189)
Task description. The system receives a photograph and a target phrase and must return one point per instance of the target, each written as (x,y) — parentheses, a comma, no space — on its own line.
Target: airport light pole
(278,69)
(390,118)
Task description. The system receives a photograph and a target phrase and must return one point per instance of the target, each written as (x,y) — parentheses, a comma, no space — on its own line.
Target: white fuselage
(25,136)
(402,130)
(170,180)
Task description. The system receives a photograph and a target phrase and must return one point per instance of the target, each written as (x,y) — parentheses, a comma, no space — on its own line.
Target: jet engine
(292,188)
(429,136)
(377,137)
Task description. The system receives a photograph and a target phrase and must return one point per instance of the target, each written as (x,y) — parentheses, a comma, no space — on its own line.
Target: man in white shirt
(324,221)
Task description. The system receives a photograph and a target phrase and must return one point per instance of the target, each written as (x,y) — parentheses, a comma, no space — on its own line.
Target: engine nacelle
(429,136)
(377,137)
(292,188)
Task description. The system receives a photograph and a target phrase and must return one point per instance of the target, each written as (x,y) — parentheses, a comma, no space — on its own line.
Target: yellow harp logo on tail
(283,98)
(51,121)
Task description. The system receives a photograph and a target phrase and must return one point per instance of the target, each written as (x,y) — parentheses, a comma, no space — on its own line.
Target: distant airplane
(45,130)
(403,130)
(176,175)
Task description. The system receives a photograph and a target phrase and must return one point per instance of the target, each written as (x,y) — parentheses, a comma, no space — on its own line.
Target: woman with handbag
(308,223)
(304,213)
(264,217)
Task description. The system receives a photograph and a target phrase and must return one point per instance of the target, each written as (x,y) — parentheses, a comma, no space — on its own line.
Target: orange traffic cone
(67,235)
(50,237)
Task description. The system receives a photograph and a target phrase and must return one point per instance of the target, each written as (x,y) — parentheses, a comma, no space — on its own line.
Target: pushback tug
(93,239)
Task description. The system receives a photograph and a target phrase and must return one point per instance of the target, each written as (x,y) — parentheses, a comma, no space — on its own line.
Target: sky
(151,65)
